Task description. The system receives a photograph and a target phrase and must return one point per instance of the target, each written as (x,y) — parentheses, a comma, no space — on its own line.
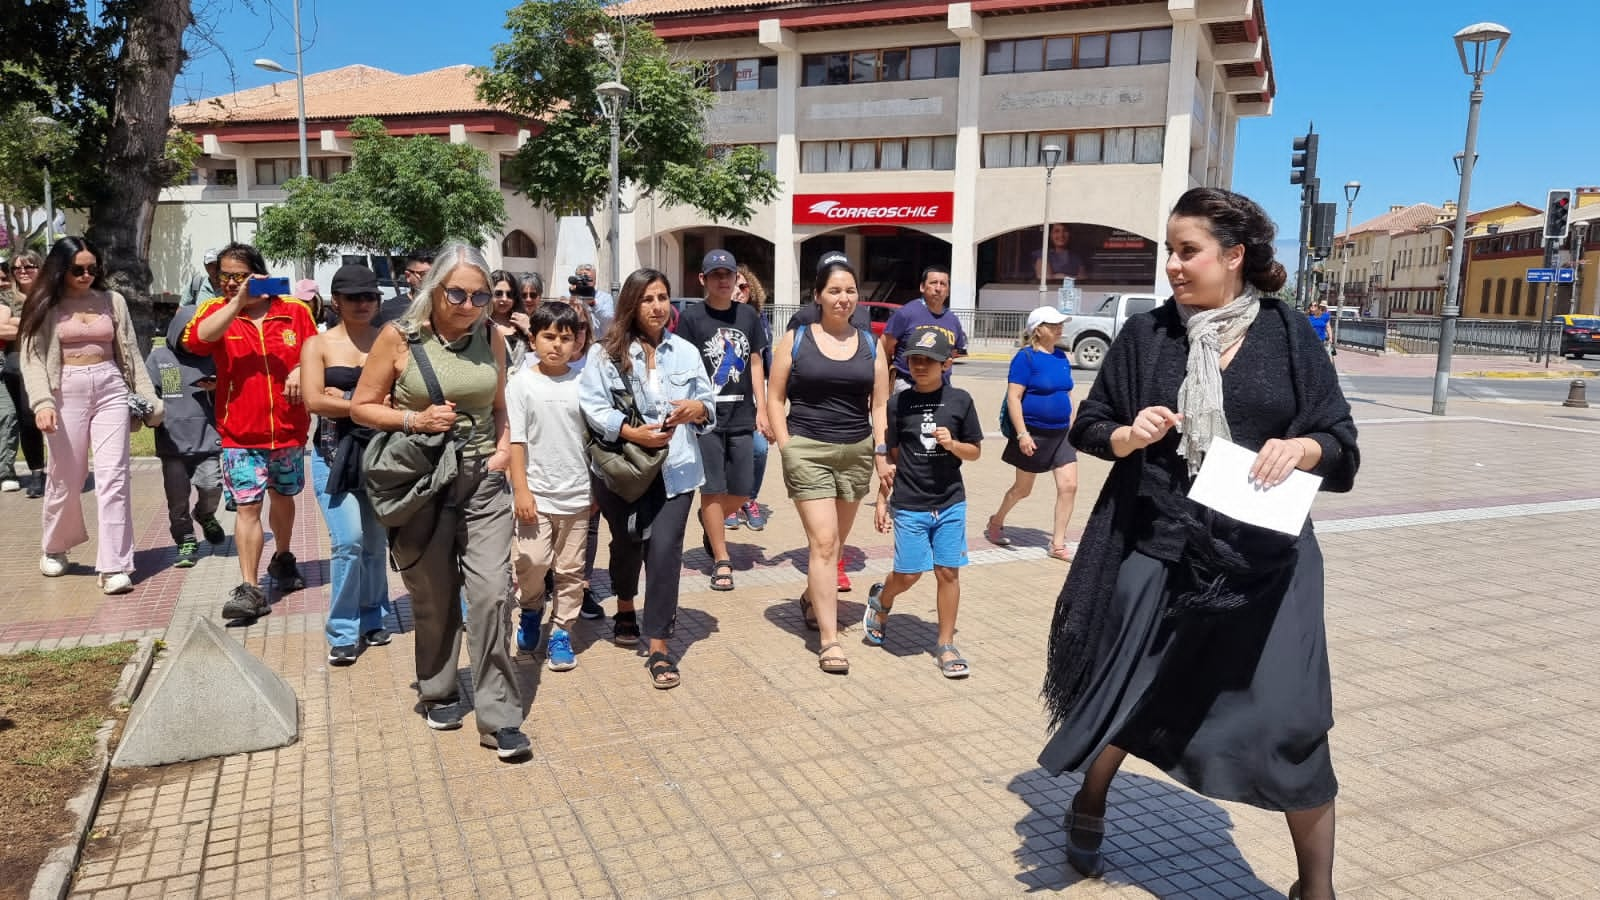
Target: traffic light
(1556,210)
(1322,216)
(1303,164)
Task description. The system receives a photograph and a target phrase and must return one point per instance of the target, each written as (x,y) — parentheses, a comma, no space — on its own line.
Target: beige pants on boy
(554,542)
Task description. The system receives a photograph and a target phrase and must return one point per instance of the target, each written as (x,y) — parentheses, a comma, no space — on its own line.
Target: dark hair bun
(1237,220)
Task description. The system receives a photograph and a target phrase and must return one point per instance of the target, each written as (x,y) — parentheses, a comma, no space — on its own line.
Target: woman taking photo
(459,547)
(827,381)
(82,366)
(1039,408)
(24,270)
(1184,637)
(330,367)
(667,379)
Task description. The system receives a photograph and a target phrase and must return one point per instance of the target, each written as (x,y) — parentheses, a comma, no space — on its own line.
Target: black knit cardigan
(1146,360)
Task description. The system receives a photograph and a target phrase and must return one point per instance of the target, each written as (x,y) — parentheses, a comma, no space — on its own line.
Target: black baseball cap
(831,257)
(718,259)
(354,280)
(930,341)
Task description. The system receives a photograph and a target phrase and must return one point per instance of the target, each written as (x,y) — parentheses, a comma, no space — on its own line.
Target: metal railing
(1368,335)
(991,330)
(1482,337)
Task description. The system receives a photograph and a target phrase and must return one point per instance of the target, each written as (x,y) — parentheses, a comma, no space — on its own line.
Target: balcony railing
(1420,334)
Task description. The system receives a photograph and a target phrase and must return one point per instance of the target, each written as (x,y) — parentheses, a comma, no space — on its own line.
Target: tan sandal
(833,665)
(1060,553)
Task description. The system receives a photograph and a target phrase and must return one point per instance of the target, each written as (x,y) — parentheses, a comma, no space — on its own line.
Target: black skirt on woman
(1051,450)
(1235,705)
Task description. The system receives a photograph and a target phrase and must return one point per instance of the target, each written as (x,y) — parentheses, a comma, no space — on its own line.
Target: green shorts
(817,470)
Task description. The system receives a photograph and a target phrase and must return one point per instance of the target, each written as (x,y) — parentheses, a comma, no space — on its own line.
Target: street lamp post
(1487,43)
(613,96)
(1052,155)
(1351,190)
(47,124)
(299,74)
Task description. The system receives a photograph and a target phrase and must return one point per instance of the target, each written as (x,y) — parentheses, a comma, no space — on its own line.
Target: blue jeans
(760,453)
(358,597)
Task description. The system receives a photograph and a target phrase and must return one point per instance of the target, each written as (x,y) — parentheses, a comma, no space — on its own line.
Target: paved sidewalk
(1461,634)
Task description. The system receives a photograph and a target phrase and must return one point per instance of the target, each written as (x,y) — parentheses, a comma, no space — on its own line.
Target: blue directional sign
(1565,276)
(1541,276)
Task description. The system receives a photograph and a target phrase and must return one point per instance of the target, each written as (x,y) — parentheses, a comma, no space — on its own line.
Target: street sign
(1565,276)
(1541,276)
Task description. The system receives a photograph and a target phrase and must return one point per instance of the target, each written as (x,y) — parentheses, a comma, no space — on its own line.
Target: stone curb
(55,874)
(1569,373)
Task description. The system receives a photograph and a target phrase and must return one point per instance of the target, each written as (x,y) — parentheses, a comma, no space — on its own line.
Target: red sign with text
(915,208)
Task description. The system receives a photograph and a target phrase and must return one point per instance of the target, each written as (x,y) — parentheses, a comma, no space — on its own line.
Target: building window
(275,172)
(887,154)
(753,74)
(517,243)
(1103,145)
(1500,297)
(1083,51)
(1483,304)
(228,177)
(871,66)
(1516,297)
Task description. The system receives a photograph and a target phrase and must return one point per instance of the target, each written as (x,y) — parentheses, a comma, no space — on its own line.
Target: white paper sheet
(1223,484)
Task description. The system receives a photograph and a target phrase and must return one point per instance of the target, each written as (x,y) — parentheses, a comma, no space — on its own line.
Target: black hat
(930,341)
(354,280)
(718,259)
(831,257)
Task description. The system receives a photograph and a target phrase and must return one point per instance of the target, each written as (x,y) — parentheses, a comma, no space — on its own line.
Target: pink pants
(91,415)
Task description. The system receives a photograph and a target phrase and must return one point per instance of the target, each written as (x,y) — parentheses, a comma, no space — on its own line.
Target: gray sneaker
(245,602)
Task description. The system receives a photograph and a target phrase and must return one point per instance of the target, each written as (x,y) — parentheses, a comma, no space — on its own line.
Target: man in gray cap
(204,285)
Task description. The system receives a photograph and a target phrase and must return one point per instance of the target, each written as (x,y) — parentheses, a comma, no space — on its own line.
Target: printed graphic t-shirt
(727,340)
(927,476)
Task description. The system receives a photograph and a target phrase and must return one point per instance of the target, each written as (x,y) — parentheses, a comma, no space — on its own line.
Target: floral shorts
(247,473)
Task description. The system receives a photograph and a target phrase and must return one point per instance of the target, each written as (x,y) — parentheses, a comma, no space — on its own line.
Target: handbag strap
(425,368)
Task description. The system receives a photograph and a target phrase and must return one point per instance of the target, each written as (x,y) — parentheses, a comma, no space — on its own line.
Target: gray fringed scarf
(1211,331)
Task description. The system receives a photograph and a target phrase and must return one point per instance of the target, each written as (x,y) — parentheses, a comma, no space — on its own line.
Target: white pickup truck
(1087,337)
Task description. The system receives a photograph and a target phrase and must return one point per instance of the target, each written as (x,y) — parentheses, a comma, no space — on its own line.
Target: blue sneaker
(559,651)
(731,523)
(528,630)
(753,516)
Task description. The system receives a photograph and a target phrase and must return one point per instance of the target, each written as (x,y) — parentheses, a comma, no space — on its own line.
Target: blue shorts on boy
(924,539)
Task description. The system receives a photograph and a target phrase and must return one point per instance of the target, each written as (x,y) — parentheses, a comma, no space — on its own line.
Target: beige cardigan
(41,372)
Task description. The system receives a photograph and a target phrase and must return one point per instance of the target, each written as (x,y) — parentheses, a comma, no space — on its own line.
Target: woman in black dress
(1181,636)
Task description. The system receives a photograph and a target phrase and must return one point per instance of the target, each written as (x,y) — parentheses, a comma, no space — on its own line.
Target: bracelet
(405,423)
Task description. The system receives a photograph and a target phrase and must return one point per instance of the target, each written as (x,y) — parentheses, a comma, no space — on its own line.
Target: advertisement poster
(1090,254)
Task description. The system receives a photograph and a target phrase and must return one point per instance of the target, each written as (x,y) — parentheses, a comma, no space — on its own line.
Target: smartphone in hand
(269,287)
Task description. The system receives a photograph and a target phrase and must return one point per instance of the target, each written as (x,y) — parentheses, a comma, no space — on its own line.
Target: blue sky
(1379,77)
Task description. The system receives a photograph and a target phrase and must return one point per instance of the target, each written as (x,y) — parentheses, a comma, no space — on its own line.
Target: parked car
(880,313)
(1086,338)
(1579,335)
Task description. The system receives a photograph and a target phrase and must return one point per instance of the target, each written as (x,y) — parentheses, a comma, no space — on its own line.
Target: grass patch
(143,442)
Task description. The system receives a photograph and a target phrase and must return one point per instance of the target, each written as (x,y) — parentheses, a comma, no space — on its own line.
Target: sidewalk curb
(1570,373)
(54,879)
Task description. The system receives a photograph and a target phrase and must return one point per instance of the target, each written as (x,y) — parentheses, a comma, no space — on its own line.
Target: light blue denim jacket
(682,376)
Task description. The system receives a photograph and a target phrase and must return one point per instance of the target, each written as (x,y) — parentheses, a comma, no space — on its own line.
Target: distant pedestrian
(23,433)
(89,389)
(601,305)
(932,308)
(1186,638)
(667,380)
(187,442)
(1038,406)
(459,548)
(932,429)
(826,380)
(358,567)
(748,289)
(1318,315)
(509,314)
(204,285)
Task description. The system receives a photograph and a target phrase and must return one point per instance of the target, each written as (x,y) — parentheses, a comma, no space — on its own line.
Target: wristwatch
(881,450)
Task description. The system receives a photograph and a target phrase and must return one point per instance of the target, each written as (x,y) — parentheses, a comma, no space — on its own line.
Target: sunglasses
(233,277)
(80,271)
(504,295)
(457,296)
(25,267)
(359,298)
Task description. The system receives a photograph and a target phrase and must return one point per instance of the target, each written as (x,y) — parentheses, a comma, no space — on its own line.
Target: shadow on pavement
(1159,837)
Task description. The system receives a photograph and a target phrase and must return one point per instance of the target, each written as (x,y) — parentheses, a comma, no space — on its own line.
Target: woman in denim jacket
(669,384)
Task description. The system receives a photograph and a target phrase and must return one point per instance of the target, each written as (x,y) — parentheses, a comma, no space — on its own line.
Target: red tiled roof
(343,94)
(1409,218)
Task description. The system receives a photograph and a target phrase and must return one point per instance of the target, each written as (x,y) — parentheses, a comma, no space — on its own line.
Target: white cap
(210,257)
(1045,315)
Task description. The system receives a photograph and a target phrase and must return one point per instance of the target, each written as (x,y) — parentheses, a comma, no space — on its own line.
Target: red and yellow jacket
(253,363)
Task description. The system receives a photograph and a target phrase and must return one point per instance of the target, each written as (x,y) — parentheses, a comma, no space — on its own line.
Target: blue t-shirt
(1319,322)
(917,313)
(1047,379)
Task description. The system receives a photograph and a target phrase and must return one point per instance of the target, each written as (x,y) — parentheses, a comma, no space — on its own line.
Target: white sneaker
(53,565)
(115,582)
(9,485)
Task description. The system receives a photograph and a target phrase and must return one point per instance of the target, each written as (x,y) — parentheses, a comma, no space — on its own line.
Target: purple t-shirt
(917,313)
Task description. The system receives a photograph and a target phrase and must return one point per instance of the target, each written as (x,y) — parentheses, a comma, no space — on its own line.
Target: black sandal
(722,581)
(659,665)
(625,628)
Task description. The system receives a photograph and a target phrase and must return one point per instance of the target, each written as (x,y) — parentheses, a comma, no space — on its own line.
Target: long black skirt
(1237,706)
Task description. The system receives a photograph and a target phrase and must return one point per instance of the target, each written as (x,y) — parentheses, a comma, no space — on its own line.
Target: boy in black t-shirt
(932,429)
(730,338)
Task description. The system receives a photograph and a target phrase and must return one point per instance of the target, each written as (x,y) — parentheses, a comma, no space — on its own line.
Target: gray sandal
(952,668)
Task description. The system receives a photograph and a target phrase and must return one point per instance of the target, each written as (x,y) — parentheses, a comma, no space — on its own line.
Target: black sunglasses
(80,271)
(457,296)
(502,294)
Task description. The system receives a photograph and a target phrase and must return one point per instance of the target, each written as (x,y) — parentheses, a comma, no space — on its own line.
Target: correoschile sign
(910,208)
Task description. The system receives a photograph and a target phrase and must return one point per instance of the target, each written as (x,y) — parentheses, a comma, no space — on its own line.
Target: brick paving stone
(1460,640)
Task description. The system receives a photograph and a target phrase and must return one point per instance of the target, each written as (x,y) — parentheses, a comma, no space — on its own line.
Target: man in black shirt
(730,338)
(932,429)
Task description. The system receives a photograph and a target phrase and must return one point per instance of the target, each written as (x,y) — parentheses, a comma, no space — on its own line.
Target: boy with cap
(932,429)
(187,442)
(731,340)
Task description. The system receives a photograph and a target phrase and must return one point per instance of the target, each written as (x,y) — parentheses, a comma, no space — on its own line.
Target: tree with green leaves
(550,71)
(399,194)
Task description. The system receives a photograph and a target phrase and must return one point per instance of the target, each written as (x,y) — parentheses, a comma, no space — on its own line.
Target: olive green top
(468,376)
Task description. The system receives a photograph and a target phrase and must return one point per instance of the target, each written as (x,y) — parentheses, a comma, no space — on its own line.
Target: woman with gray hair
(460,544)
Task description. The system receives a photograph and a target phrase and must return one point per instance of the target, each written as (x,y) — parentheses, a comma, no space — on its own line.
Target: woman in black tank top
(824,400)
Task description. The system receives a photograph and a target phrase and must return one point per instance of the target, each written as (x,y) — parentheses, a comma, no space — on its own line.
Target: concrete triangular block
(212,698)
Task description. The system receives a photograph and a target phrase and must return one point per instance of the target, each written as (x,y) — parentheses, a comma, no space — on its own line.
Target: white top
(546,418)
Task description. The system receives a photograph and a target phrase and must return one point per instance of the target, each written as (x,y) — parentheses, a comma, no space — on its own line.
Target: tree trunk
(123,211)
